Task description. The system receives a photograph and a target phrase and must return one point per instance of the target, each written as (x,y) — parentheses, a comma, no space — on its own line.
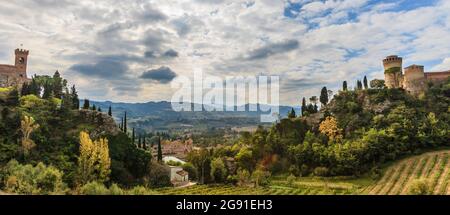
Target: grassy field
(434,167)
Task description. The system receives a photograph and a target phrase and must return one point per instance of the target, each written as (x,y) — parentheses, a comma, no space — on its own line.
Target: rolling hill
(157,116)
(432,167)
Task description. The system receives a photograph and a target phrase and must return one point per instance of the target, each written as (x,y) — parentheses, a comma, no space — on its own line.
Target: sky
(132,50)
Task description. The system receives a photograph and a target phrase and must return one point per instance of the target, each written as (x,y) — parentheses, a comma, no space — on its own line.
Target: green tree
(125,129)
(57,85)
(366,85)
(13,98)
(324,96)
(291,114)
(260,177)
(190,168)
(35,89)
(48,91)
(359,85)
(109,111)
(304,107)
(28,179)
(313,108)
(344,86)
(218,170)
(144,142)
(160,156)
(377,84)
(74,97)
(139,141)
(25,89)
(86,104)
(133,136)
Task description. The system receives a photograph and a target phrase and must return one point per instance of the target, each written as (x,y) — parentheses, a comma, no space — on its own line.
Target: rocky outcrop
(104,124)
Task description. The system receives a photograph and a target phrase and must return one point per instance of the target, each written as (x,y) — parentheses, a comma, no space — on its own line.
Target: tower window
(21,60)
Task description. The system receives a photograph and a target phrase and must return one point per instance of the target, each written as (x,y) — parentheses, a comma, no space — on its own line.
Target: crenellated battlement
(392,58)
(414,68)
(22,51)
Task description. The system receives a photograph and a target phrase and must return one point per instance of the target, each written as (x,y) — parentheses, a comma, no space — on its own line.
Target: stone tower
(393,71)
(21,62)
(414,81)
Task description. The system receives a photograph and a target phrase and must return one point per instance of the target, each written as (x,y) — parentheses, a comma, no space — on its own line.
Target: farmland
(432,167)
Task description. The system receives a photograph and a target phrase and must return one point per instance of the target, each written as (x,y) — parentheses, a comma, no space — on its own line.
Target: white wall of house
(174,177)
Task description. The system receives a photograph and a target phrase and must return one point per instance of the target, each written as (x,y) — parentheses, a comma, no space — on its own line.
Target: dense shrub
(94,188)
(420,187)
(159,176)
(28,179)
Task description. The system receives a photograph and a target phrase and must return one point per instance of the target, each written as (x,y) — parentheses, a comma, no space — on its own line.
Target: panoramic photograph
(224,97)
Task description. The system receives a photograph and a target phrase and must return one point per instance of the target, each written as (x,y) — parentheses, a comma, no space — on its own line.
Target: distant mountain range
(159,116)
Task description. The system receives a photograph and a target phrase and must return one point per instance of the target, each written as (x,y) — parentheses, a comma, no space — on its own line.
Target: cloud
(104,69)
(272,49)
(150,14)
(170,53)
(444,66)
(162,75)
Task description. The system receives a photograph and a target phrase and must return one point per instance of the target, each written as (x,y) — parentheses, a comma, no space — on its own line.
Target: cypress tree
(74,96)
(144,144)
(344,86)
(159,150)
(93,107)
(291,114)
(303,106)
(110,111)
(324,96)
(140,141)
(99,109)
(125,123)
(86,104)
(133,136)
(366,85)
(359,85)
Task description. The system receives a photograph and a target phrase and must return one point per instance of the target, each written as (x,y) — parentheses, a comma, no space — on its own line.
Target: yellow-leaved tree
(330,128)
(94,162)
(27,126)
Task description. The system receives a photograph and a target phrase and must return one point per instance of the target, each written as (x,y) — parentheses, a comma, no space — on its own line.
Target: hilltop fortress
(15,75)
(414,80)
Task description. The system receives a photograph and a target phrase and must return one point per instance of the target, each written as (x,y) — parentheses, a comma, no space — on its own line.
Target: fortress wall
(414,80)
(437,77)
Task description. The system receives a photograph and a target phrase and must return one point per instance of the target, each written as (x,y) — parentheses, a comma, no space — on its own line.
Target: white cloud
(444,66)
